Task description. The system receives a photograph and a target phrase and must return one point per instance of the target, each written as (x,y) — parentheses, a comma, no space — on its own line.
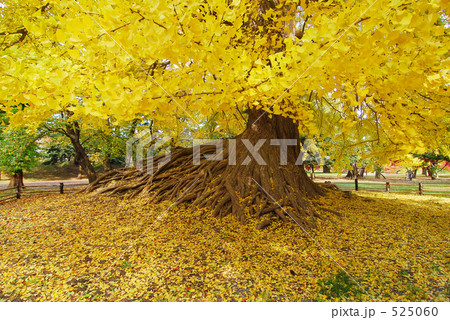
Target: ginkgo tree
(386,63)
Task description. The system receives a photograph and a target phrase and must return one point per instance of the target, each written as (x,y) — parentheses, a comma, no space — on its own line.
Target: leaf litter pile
(84,248)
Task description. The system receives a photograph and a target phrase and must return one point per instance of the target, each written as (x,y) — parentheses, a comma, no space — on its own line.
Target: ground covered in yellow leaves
(83,248)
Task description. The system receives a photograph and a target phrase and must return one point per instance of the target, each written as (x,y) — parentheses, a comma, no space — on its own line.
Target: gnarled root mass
(267,184)
(253,190)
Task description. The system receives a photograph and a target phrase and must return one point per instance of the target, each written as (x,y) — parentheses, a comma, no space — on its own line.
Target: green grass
(338,286)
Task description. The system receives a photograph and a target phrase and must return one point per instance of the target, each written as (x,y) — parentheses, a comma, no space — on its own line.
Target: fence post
(61,188)
(420,188)
(356,184)
(388,187)
(18,192)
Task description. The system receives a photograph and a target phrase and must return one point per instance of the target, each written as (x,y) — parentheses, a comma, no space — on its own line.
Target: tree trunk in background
(107,163)
(355,170)
(73,132)
(80,172)
(424,171)
(349,174)
(361,171)
(313,175)
(129,154)
(433,171)
(326,169)
(76,161)
(108,147)
(16,179)
(133,126)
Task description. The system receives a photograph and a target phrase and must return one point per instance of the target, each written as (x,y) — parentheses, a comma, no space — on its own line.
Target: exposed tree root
(252,190)
(266,191)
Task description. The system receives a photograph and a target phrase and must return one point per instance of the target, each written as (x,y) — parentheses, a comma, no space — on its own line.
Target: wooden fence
(18,192)
(420,188)
(405,188)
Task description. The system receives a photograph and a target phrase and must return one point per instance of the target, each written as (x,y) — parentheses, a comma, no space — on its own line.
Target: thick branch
(22,31)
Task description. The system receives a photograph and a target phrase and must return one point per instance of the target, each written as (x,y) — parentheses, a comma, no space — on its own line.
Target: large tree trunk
(16,179)
(234,184)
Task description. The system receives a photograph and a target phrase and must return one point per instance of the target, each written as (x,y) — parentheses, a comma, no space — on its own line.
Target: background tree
(107,142)
(64,123)
(433,162)
(17,153)
(17,149)
(378,171)
(328,163)
(56,151)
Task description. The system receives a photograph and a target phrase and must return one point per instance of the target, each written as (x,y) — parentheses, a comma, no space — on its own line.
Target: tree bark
(355,170)
(433,176)
(361,171)
(16,179)
(424,171)
(107,152)
(80,172)
(107,163)
(73,132)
